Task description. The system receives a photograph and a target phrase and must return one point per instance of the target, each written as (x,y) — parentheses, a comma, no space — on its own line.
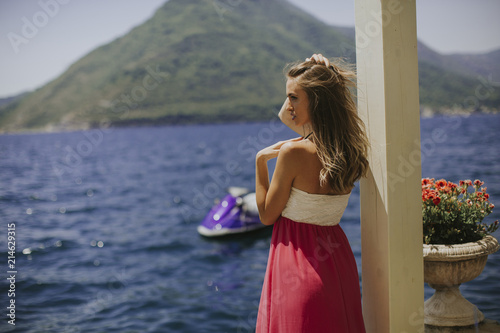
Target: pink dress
(311,283)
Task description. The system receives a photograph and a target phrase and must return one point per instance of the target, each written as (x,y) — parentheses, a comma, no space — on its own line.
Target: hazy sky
(39,39)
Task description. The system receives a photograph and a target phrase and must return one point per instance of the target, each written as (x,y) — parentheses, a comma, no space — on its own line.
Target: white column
(391,217)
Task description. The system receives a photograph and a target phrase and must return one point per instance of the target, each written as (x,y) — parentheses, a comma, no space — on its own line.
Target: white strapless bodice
(319,209)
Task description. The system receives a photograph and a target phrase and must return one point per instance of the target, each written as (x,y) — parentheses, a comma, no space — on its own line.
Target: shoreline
(188,120)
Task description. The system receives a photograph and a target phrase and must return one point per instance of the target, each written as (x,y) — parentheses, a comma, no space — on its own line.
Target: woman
(311,283)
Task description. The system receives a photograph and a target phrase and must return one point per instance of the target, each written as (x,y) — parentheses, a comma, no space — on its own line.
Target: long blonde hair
(338,132)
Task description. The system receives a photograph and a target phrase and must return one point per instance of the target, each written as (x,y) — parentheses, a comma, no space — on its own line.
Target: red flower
(478,183)
(426,181)
(429,194)
(441,184)
(425,194)
(456,199)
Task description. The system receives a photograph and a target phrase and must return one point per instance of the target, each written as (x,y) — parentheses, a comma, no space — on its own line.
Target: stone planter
(445,268)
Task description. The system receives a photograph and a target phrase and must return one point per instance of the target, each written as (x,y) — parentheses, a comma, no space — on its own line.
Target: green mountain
(198,61)
(212,62)
(467,81)
(473,65)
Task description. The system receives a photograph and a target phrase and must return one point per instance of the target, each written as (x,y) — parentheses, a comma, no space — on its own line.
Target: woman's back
(308,179)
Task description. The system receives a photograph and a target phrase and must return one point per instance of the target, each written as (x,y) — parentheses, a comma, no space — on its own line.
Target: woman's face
(297,103)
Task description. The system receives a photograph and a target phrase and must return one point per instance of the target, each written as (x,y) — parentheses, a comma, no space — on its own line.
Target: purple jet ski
(236,213)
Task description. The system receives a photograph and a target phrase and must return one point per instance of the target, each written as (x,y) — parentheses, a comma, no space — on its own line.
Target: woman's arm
(272,196)
(286,119)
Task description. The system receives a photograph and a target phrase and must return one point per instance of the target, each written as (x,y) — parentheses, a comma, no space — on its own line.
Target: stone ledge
(486,326)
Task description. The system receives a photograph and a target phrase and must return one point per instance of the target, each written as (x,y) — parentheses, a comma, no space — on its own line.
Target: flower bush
(453,214)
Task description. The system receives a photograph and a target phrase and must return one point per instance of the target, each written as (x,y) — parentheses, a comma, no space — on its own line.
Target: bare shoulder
(298,153)
(297,149)
(301,160)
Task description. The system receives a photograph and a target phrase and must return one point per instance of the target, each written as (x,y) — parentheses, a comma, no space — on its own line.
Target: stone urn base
(445,268)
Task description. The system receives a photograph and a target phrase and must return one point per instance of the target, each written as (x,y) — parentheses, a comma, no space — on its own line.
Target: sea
(102,224)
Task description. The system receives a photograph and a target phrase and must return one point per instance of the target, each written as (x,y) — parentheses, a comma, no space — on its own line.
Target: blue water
(105,224)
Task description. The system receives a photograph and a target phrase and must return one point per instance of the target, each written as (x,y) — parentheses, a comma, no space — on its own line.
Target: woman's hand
(319,59)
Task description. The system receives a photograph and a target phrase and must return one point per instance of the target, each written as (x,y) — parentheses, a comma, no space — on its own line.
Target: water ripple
(110,244)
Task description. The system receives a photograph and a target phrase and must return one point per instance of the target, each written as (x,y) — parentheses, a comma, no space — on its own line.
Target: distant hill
(471,81)
(202,61)
(8,100)
(468,64)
